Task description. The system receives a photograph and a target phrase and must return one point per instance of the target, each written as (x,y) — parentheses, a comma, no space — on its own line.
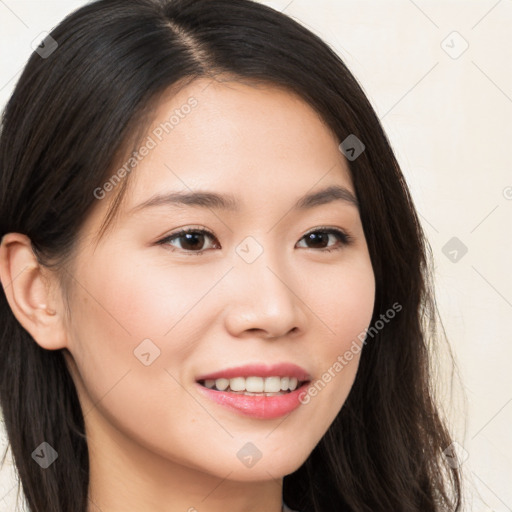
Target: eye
(191,241)
(320,236)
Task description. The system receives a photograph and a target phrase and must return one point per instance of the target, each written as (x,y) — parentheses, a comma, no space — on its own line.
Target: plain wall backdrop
(439,76)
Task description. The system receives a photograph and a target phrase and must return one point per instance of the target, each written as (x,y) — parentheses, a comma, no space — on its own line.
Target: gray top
(287,509)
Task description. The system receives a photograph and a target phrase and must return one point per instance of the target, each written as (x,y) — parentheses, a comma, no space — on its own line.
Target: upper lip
(260,370)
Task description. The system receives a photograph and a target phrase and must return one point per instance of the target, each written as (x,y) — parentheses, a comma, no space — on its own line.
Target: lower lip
(263,407)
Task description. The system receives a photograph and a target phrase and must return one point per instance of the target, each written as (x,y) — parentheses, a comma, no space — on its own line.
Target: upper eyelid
(208,232)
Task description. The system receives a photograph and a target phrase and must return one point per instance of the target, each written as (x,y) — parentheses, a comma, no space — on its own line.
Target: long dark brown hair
(70,121)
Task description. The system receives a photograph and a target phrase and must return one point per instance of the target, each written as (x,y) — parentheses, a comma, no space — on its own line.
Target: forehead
(257,143)
(238,134)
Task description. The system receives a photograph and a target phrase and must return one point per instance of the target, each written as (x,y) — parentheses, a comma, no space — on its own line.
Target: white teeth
(272,385)
(254,384)
(237,384)
(221,384)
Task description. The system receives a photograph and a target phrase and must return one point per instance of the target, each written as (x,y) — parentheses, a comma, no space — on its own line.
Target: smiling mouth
(254,386)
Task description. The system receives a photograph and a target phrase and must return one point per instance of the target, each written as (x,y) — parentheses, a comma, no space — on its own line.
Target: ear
(32,292)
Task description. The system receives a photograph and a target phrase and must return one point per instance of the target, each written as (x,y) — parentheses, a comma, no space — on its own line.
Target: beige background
(447,110)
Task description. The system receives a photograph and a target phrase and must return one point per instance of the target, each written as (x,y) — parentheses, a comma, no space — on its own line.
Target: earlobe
(27,286)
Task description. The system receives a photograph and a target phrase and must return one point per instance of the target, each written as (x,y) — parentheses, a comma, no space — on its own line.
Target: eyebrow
(212,200)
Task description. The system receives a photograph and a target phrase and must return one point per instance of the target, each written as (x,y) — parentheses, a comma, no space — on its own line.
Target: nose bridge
(265,297)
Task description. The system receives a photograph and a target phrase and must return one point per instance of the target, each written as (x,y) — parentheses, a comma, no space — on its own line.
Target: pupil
(191,240)
(318,237)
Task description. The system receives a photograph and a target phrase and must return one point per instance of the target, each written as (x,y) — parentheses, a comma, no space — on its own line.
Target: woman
(288,365)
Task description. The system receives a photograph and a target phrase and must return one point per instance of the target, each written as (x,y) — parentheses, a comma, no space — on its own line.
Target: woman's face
(270,284)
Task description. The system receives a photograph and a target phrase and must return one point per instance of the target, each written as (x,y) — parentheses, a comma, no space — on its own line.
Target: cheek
(126,314)
(146,300)
(342,297)
(343,300)
(116,308)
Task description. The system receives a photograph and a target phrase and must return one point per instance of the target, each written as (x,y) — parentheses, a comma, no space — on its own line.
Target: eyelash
(344,238)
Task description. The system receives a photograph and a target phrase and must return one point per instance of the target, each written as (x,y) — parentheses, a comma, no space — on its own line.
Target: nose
(264,300)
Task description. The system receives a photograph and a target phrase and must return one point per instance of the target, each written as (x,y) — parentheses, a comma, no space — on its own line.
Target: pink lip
(260,370)
(263,407)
